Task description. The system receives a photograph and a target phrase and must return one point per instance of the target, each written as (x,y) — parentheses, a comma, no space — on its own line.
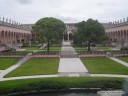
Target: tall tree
(49,30)
(89,31)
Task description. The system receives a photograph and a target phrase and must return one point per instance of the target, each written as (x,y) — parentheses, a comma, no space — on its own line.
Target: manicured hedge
(58,83)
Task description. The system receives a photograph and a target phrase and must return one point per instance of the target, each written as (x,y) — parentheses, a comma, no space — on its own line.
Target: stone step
(73,74)
(69,56)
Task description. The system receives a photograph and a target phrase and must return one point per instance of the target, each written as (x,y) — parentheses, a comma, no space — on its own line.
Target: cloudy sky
(29,11)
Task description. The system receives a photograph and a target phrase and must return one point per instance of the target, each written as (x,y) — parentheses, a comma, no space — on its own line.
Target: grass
(36,66)
(52,48)
(97,48)
(104,66)
(80,48)
(55,48)
(58,83)
(7,62)
(31,48)
(15,52)
(125,59)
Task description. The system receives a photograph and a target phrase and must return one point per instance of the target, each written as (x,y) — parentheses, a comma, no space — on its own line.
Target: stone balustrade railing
(118,23)
(15,25)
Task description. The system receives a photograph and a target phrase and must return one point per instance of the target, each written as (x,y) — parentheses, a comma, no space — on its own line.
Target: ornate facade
(13,34)
(118,33)
(70,30)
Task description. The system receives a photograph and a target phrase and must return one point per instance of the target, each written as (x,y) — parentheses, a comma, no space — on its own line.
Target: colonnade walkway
(70,64)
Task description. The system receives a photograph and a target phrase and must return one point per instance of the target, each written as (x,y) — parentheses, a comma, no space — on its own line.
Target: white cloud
(29,11)
(24,1)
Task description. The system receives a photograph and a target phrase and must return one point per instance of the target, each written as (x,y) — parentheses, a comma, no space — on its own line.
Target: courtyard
(64,65)
(62,70)
(63,46)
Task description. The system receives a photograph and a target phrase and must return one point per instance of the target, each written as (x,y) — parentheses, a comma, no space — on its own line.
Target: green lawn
(104,66)
(14,86)
(31,48)
(125,59)
(7,62)
(36,66)
(98,48)
(52,48)
(80,48)
(55,48)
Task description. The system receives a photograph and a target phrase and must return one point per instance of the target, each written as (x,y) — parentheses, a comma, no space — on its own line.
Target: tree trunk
(89,42)
(48,47)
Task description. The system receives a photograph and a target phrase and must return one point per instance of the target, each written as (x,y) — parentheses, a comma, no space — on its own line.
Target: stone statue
(3,19)
(123,20)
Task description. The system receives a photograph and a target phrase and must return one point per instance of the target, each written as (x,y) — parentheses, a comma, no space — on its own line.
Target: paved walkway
(56,75)
(119,61)
(108,75)
(28,77)
(4,72)
(70,64)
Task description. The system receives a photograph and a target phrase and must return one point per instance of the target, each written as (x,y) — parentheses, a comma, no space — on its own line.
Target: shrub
(17,86)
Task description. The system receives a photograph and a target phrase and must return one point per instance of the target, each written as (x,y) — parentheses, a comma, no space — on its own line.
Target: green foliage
(125,87)
(90,31)
(50,30)
(104,66)
(32,48)
(14,53)
(58,83)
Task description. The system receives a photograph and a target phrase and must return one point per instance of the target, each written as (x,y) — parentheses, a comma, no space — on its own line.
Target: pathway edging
(119,61)
(4,72)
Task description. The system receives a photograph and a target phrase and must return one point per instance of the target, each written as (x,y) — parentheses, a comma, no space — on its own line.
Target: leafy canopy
(50,30)
(91,30)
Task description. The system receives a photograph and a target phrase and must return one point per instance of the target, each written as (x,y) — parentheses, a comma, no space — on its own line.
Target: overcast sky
(29,11)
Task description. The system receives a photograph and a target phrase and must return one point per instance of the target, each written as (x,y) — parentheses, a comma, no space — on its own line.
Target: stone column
(5,34)
(14,36)
(123,37)
(119,36)
(116,35)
